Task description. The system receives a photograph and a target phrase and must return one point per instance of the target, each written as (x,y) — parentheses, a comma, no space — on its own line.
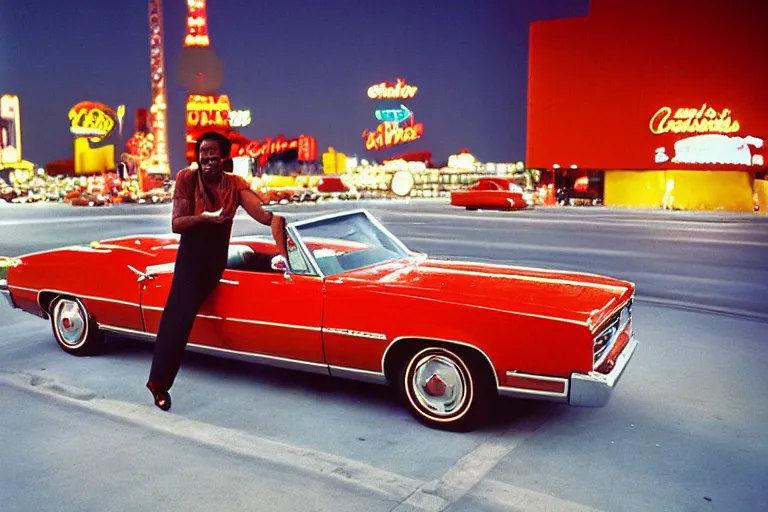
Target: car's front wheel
(445,388)
(74,329)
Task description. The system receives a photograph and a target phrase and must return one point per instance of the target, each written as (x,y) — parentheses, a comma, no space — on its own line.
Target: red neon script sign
(387,91)
(391,134)
(306,145)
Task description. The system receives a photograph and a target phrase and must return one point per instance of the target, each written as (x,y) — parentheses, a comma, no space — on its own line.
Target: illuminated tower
(200,73)
(200,70)
(158,116)
(197,24)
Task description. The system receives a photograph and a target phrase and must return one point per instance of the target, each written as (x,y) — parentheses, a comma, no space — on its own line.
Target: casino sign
(93,120)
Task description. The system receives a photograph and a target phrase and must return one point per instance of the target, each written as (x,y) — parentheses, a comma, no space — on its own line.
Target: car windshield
(349,242)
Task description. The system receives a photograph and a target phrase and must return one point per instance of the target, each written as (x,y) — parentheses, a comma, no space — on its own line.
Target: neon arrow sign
(393,115)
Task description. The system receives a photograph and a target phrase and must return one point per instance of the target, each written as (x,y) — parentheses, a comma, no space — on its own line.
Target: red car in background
(492,193)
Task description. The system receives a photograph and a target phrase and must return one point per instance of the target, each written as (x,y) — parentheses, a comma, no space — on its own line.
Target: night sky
(300,66)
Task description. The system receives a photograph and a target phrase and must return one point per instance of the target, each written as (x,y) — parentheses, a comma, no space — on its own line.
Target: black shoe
(162,398)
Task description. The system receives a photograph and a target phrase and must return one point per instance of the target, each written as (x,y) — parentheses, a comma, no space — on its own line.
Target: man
(204,205)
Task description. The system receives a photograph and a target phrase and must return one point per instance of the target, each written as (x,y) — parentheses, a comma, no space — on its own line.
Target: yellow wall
(89,160)
(761,196)
(693,190)
(634,189)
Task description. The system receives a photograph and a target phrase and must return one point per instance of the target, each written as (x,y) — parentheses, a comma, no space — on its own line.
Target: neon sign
(92,120)
(239,118)
(387,91)
(693,120)
(207,111)
(394,115)
(387,135)
(305,144)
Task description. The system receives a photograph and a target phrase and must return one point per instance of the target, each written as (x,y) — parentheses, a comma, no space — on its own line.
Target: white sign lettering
(714,149)
(239,118)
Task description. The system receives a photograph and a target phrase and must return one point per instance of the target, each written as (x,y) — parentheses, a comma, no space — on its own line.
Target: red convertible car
(492,193)
(352,301)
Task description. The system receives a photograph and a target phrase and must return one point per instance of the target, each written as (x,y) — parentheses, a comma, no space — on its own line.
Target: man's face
(210,158)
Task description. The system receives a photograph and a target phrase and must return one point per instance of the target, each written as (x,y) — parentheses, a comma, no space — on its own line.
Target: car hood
(587,299)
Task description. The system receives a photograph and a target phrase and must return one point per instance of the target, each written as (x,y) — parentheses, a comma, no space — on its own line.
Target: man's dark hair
(224,144)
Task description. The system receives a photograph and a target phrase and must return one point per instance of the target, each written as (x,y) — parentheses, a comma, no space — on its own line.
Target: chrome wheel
(439,385)
(70,323)
(75,330)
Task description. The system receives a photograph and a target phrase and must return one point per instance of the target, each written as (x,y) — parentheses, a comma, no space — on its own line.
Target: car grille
(607,335)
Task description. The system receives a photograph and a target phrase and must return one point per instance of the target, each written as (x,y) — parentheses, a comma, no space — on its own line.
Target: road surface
(685,429)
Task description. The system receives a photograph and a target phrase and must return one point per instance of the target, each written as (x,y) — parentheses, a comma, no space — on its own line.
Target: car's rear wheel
(446,388)
(74,329)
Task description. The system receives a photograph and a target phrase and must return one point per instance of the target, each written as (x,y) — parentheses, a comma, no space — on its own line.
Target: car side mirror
(279,263)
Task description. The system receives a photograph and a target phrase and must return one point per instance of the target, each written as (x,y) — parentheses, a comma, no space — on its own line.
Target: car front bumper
(594,389)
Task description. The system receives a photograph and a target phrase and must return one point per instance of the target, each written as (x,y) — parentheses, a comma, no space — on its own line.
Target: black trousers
(200,263)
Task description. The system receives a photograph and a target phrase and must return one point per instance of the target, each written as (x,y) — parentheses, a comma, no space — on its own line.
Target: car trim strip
(254,355)
(245,320)
(157,308)
(355,334)
(527,393)
(128,332)
(274,324)
(357,374)
(76,295)
(22,288)
(270,360)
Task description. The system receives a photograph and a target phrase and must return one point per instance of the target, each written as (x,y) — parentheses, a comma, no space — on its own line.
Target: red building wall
(596,81)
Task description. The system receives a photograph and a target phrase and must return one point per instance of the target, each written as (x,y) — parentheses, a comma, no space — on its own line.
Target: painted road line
(493,495)
(459,479)
(471,469)
(390,485)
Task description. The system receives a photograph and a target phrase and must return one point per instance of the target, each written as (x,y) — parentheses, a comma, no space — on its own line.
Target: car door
(269,313)
(207,328)
(274,315)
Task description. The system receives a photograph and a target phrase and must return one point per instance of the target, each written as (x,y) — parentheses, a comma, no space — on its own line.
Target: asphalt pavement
(684,431)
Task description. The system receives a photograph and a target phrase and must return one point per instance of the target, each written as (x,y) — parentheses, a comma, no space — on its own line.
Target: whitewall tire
(444,388)
(75,331)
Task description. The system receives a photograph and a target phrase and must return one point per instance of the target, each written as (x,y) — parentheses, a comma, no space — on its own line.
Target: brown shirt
(207,198)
